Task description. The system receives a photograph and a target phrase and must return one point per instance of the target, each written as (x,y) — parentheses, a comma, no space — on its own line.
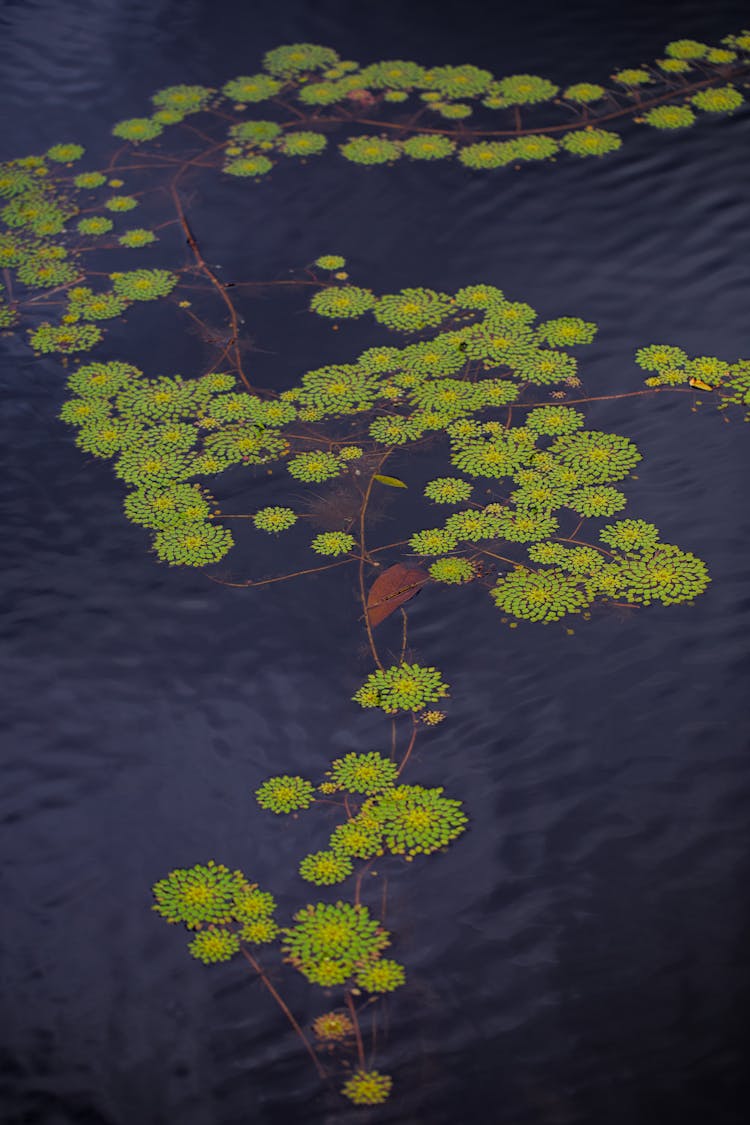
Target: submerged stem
(205,269)
(409,748)
(365,556)
(405,624)
(285,1009)
(357,1030)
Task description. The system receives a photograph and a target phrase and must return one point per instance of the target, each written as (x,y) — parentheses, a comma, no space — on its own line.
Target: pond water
(580,955)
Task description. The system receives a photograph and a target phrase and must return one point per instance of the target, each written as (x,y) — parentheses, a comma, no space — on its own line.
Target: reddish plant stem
(613,398)
(384,899)
(58,289)
(357,1030)
(116,156)
(365,555)
(266,284)
(278,578)
(502,558)
(291,109)
(200,323)
(198,132)
(285,1009)
(118,246)
(405,624)
(579,525)
(358,883)
(409,748)
(204,268)
(8,284)
(582,543)
(622,111)
(299,573)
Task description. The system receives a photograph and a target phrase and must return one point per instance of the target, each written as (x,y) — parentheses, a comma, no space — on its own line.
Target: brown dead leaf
(392,588)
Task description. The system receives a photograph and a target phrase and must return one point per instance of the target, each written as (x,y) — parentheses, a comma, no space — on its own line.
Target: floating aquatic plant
(285,794)
(724,99)
(200,895)
(584,93)
(302,143)
(670,117)
(544,595)
(596,457)
(360,837)
(183,98)
(330,942)
(630,535)
(314,466)
(597,501)
(143,285)
(383,975)
(65,339)
(729,382)
(214,944)
(222,905)
(686,49)
(119,203)
(325,868)
(370,150)
(96,224)
(363,773)
(298,58)
(333,543)
(666,574)
(330,262)
(412,309)
(333,1027)
(249,166)
(85,303)
(194,544)
(136,238)
(473,374)
(254,905)
(8,316)
(342,388)
(454,572)
(251,88)
(65,153)
(166,507)
(414,820)
(259,931)
(403,687)
(367,1087)
(428,146)
(342,301)
(591,142)
(137,129)
(274,519)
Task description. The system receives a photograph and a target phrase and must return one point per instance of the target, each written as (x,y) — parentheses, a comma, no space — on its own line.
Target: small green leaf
(392,482)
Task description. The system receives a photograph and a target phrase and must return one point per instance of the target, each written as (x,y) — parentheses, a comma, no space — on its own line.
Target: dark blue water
(581,955)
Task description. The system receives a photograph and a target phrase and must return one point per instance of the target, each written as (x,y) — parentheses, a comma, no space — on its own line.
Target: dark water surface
(580,956)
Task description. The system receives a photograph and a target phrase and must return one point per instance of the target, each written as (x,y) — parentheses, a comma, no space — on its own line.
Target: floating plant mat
(531,504)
